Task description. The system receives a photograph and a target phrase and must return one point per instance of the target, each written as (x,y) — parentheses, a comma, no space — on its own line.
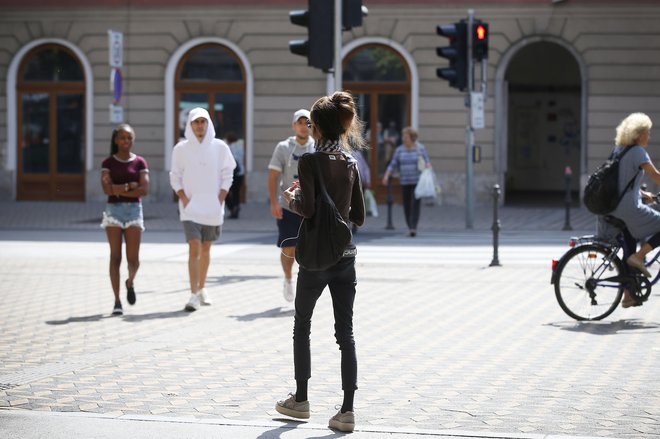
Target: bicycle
(589,279)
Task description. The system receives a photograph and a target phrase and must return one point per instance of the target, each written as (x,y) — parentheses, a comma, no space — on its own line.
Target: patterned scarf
(328,146)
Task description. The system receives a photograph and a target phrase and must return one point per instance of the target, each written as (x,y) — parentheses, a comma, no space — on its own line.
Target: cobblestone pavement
(445,342)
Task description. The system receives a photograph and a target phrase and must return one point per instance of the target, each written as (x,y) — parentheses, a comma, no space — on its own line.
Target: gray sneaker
(290,407)
(343,421)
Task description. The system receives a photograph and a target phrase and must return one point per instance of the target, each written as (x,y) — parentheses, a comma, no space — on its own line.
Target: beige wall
(617,47)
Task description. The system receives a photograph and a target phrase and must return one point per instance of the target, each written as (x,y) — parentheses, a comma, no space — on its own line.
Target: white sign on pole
(116,113)
(116,48)
(477,107)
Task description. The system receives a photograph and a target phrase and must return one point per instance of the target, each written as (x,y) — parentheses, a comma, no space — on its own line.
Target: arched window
(379,79)
(51,129)
(211,76)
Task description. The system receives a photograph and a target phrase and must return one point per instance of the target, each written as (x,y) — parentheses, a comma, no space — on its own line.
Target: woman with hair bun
(125,180)
(337,131)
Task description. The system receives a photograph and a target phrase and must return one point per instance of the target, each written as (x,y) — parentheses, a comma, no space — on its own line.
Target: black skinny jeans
(411,205)
(341,280)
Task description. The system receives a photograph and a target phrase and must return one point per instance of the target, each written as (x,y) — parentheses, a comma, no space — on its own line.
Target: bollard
(390,201)
(568,176)
(496,225)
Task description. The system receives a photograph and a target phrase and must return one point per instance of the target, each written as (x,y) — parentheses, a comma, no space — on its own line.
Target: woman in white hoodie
(201,174)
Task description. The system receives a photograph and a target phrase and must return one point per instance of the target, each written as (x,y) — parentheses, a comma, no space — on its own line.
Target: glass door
(384,116)
(51,146)
(51,126)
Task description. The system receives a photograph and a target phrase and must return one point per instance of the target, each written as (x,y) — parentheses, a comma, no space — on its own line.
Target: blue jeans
(341,280)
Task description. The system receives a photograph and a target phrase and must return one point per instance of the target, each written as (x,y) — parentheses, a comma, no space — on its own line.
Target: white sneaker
(288,290)
(204,297)
(193,303)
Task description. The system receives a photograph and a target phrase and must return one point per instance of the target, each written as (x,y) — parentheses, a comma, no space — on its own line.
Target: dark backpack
(601,194)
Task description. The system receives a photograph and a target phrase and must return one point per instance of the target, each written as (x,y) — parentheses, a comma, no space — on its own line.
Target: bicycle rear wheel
(588,282)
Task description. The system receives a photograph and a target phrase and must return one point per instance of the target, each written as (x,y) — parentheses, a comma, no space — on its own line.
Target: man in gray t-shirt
(282,172)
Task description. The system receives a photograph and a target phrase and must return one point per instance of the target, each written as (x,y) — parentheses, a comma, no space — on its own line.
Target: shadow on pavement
(94,318)
(607,328)
(125,317)
(235,279)
(268,314)
(155,315)
(277,431)
(289,424)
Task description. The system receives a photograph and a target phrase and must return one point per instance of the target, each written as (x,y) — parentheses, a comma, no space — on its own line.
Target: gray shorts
(200,232)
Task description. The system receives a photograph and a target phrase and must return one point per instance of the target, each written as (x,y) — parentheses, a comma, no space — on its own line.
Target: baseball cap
(300,113)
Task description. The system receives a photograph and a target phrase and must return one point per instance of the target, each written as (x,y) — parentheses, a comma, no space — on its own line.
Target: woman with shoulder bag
(336,130)
(409,159)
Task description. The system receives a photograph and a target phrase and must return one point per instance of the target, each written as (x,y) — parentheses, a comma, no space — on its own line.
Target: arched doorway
(379,79)
(544,125)
(50,102)
(211,76)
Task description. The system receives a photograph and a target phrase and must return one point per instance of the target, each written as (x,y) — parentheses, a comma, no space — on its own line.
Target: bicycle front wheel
(588,282)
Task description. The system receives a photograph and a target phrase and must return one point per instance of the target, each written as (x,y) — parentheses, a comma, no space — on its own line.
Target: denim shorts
(123,215)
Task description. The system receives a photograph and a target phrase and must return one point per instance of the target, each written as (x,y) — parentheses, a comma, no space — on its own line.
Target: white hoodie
(202,170)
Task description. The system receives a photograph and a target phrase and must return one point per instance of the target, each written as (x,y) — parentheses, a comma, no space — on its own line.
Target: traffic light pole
(338,40)
(469,131)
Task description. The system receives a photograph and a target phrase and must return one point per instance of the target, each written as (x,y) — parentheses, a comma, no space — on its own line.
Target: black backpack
(601,194)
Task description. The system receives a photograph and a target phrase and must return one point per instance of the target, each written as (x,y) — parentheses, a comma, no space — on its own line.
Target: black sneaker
(117,310)
(130,294)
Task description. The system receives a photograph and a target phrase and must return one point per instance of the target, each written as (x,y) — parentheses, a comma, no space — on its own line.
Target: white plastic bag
(426,185)
(370,203)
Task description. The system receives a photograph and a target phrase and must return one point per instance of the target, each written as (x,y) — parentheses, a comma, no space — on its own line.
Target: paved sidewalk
(256,217)
(448,346)
(24,424)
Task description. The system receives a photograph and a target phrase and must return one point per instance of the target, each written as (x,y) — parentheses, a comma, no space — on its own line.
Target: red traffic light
(480,40)
(480,32)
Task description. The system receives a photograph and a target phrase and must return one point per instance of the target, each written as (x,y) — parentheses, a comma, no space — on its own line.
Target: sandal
(637,263)
(130,294)
(627,303)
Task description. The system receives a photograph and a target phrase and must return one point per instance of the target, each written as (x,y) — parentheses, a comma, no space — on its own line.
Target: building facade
(560,76)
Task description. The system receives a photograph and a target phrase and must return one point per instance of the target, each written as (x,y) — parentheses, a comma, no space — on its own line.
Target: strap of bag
(630,183)
(319,174)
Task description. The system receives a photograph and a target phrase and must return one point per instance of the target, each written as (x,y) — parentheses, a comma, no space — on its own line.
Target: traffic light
(319,21)
(480,40)
(352,13)
(456,53)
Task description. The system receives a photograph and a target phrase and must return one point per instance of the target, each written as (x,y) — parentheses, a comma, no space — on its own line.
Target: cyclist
(641,220)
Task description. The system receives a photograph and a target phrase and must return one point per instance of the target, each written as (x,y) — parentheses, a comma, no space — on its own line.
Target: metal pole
(484,78)
(568,176)
(496,225)
(338,34)
(390,201)
(469,137)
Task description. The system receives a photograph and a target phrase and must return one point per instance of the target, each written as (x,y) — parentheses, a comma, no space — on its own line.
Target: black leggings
(630,243)
(654,241)
(341,281)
